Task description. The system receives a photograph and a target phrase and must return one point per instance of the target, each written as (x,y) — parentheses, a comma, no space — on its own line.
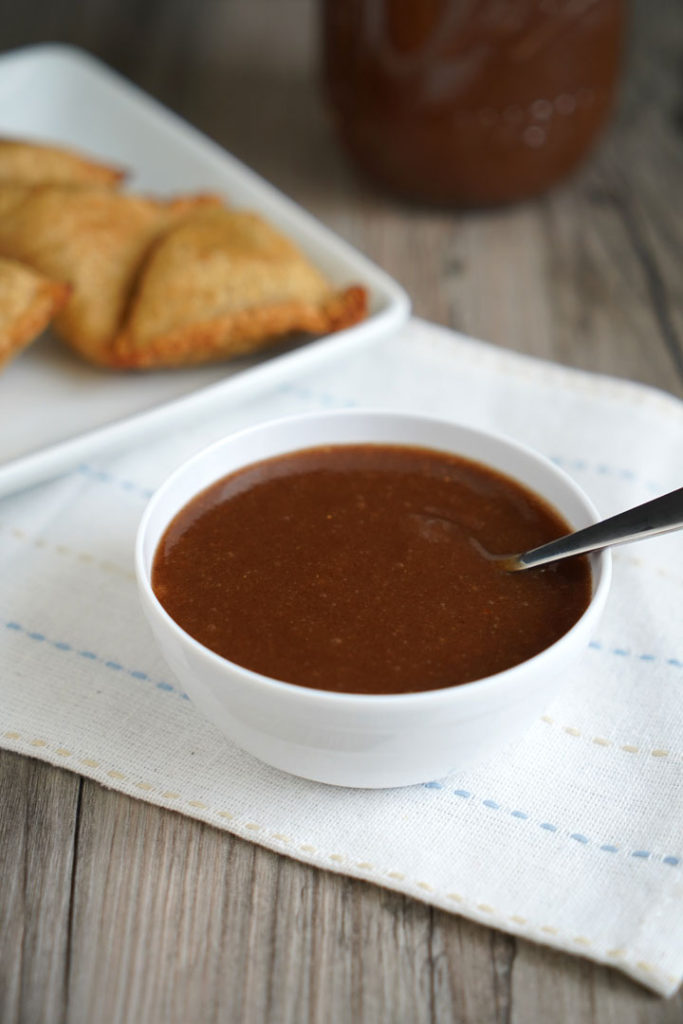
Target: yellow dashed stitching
(601,741)
(621,557)
(66,552)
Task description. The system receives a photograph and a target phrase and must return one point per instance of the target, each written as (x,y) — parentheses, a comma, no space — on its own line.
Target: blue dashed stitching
(602,469)
(108,478)
(623,652)
(114,666)
(324,398)
(548,826)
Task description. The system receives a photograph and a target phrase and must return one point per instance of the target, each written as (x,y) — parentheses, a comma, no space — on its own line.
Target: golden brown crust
(95,239)
(236,334)
(35,163)
(12,194)
(346,308)
(28,302)
(223,283)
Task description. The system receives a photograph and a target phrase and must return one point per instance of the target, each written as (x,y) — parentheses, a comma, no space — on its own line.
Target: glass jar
(471,102)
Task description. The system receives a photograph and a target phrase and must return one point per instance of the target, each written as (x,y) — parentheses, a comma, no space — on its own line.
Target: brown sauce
(472,103)
(352,568)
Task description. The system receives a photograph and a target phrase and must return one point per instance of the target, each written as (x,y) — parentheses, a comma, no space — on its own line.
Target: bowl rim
(601,564)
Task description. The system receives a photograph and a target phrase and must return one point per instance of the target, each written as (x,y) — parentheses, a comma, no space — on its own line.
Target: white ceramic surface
(358,740)
(59,94)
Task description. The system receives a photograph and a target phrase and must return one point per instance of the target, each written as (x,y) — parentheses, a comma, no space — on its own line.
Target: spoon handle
(658,516)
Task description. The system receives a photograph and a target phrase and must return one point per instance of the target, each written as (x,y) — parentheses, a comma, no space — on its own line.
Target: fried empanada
(28,302)
(34,163)
(223,283)
(12,194)
(94,239)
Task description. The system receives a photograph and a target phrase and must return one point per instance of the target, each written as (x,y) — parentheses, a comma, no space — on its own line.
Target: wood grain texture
(38,818)
(112,910)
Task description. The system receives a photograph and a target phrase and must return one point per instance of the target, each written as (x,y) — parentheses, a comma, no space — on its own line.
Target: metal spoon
(658,516)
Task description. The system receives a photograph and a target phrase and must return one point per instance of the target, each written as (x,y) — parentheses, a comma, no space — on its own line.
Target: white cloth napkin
(573,838)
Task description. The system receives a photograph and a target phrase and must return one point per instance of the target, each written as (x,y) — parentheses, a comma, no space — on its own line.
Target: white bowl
(355,739)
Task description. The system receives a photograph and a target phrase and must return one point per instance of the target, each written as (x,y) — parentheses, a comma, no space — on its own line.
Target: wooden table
(114,910)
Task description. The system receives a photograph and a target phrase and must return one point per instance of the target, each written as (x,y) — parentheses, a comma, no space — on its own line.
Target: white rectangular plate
(56,411)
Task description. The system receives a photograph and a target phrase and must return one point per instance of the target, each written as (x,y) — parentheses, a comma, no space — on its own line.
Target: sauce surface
(354,568)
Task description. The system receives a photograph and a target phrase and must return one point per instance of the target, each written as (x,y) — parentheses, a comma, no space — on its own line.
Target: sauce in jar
(354,568)
(472,102)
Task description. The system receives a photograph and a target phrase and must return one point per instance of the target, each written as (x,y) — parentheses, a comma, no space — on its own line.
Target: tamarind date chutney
(358,569)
